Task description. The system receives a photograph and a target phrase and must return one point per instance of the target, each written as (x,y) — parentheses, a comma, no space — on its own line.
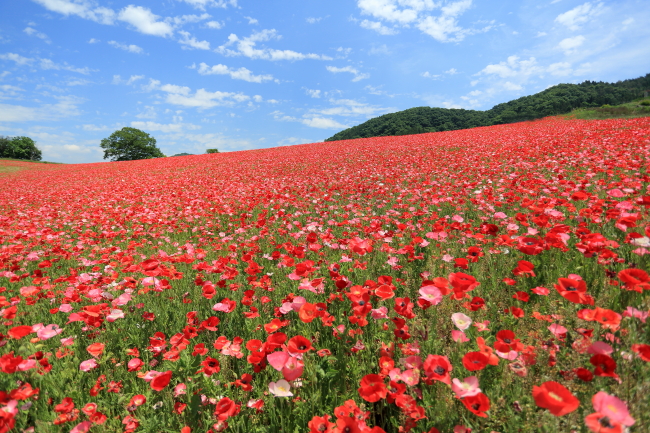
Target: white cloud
(235,74)
(130,48)
(452,71)
(560,69)
(90,127)
(513,67)
(407,13)
(66,107)
(389,10)
(357,75)
(512,86)
(170,127)
(93,41)
(20,60)
(8,91)
(378,27)
(313,93)
(145,21)
(247,47)
(33,32)
(429,75)
(86,9)
(192,42)
(541,34)
(132,79)
(579,15)
(350,107)
(184,19)
(214,24)
(323,123)
(47,64)
(202,4)
(312,20)
(569,45)
(252,20)
(148,113)
(201,99)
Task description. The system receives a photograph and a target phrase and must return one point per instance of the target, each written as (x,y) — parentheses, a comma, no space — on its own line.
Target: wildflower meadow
(484,280)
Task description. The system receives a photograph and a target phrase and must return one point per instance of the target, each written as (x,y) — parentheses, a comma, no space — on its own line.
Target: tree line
(559,99)
(19,148)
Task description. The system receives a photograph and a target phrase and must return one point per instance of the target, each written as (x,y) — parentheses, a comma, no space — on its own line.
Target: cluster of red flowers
(235,288)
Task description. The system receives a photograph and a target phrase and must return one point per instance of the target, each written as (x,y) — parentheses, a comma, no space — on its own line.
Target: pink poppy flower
(461,321)
(612,407)
(88,365)
(82,427)
(431,294)
(49,331)
(379,313)
(459,336)
(281,388)
(600,348)
(467,388)
(179,389)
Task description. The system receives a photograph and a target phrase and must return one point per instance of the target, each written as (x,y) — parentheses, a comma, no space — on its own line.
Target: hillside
(559,99)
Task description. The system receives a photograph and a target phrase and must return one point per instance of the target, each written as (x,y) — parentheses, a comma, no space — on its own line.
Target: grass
(628,110)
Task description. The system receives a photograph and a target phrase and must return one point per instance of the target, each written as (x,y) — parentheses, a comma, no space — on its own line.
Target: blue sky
(242,74)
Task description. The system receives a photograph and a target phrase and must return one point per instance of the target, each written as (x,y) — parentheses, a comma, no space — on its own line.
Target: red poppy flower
(226,408)
(437,367)
(477,404)
(210,366)
(574,291)
(643,350)
(600,423)
(18,332)
(555,397)
(159,382)
(299,344)
(372,388)
(637,280)
(320,424)
(474,361)
(347,424)
(506,341)
(605,365)
(307,312)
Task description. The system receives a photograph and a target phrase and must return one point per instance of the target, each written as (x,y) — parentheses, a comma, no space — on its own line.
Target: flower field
(491,279)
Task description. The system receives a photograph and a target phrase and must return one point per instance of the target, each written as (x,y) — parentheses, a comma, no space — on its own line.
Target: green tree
(19,148)
(212,151)
(129,144)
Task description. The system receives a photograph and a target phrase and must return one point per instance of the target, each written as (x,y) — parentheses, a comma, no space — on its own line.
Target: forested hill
(558,99)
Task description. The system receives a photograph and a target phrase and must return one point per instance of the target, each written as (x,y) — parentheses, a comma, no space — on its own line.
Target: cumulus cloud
(145,21)
(65,107)
(323,123)
(202,4)
(17,58)
(235,74)
(443,26)
(247,47)
(189,42)
(357,75)
(214,24)
(132,79)
(569,45)
(513,67)
(131,48)
(33,32)
(378,27)
(313,93)
(47,64)
(86,9)
(201,99)
(169,127)
(579,15)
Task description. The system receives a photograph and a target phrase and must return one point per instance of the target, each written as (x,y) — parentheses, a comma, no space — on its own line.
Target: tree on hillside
(212,151)
(19,148)
(129,144)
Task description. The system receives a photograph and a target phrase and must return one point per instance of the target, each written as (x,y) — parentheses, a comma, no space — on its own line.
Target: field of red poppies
(486,280)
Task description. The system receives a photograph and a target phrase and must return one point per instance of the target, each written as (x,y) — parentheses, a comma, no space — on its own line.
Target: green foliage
(559,99)
(212,151)
(19,148)
(129,144)
(645,103)
(183,154)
